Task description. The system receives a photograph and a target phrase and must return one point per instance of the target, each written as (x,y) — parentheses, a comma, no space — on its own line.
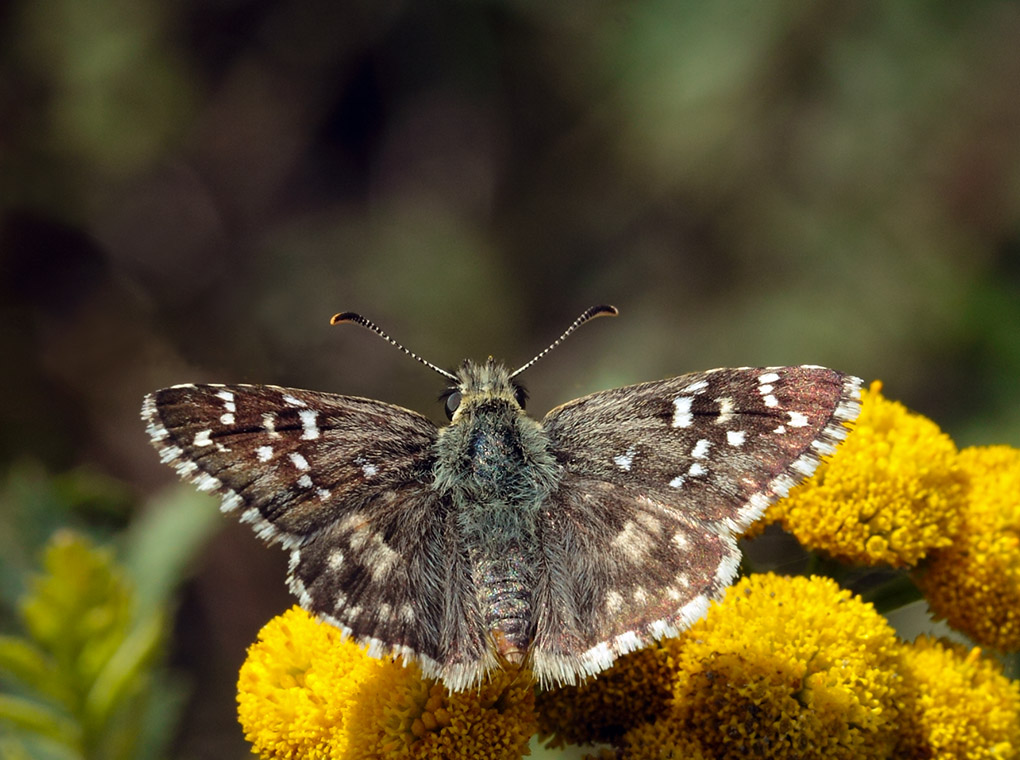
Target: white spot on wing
(310,428)
(264,453)
(736,437)
(227,418)
(696,469)
(202,438)
(768,377)
(269,424)
(677,482)
(292,401)
(725,410)
(625,460)
(632,541)
(299,461)
(700,450)
(380,558)
(682,416)
(797,419)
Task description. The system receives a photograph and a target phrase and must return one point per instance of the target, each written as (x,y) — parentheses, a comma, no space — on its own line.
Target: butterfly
(499,539)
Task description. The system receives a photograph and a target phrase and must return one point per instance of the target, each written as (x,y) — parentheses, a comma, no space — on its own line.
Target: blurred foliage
(34,504)
(85,677)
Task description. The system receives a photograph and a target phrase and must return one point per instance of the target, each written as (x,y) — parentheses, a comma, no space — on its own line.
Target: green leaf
(163,541)
(38,719)
(94,649)
(158,726)
(79,609)
(25,663)
(122,673)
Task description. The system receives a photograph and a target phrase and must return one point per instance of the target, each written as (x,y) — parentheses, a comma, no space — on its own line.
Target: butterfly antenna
(590,314)
(350,316)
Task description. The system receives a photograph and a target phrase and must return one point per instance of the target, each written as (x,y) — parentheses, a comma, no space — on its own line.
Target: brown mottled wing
(344,484)
(658,480)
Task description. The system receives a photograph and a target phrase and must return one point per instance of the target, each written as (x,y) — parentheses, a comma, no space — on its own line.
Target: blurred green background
(189,190)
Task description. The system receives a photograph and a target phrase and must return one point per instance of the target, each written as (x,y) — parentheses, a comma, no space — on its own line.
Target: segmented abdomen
(505,587)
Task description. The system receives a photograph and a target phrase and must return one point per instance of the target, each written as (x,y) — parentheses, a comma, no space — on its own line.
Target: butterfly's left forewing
(658,479)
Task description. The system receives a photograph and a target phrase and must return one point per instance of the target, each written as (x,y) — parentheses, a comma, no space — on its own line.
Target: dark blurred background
(189,190)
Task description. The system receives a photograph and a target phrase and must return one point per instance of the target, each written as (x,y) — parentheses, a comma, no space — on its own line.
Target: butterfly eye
(452,402)
(520,395)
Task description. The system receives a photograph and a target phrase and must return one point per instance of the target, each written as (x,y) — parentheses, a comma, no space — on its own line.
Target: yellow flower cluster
(975,582)
(305,692)
(780,666)
(959,705)
(897,492)
(792,668)
(890,494)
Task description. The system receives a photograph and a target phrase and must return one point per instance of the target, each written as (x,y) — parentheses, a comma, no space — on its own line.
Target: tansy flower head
(784,666)
(890,494)
(781,668)
(975,583)
(958,704)
(305,692)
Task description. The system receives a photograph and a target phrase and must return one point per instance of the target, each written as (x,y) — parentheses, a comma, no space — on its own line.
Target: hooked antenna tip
(605,310)
(346,316)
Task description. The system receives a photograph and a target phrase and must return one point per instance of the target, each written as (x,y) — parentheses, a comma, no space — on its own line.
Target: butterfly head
(480,386)
(483,385)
